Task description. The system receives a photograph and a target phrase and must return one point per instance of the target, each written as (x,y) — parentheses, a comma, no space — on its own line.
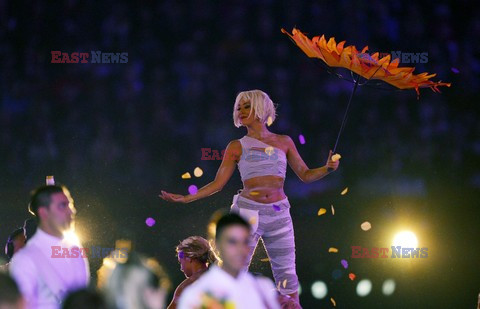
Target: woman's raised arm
(227,167)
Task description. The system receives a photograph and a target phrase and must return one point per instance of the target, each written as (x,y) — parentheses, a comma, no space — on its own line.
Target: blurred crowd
(188,60)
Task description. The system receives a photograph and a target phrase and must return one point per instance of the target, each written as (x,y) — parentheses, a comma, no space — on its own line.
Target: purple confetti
(192,189)
(276,207)
(150,222)
(181,254)
(301,138)
(455,70)
(345,264)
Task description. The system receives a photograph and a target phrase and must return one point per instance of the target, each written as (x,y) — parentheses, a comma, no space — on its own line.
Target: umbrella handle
(346,112)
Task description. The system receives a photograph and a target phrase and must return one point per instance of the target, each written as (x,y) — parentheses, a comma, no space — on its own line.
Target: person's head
(231,240)
(251,106)
(10,297)
(29,228)
(140,283)
(84,298)
(194,252)
(53,207)
(15,242)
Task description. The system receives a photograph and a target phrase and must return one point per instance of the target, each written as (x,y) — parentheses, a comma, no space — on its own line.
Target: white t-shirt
(44,280)
(244,292)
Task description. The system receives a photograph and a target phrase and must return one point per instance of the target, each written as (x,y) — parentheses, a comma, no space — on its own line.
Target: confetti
(269,121)
(252,220)
(181,255)
(285,283)
(332,249)
(198,172)
(333,301)
(150,222)
(336,157)
(366,226)
(253,193)
(192,189)
(50,181)
(333,210)
(276,207)
(455,70)
(186,176)
(301,138)
(345,191)
(352,276)
(265,260)
(269,150)
(345,264)
(321,211)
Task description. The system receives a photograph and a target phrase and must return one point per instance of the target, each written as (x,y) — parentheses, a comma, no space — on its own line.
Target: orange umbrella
(367,66)
(363,64)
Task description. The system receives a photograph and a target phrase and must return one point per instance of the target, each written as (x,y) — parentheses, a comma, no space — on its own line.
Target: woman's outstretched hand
(333,161)
(171,197)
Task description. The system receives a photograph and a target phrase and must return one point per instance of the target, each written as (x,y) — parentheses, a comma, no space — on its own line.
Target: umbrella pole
(346,112)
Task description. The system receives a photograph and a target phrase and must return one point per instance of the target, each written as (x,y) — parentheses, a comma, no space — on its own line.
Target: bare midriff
(264,189)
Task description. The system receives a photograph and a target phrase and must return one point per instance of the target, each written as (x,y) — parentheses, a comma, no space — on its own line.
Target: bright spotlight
(319,289)
(71,238)
(405,239)
(388,287)
(364,287)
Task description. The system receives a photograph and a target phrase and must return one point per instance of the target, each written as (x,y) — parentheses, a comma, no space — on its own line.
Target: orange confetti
(269,121)
(198,172)
(186,176)
(333,301)
(345,191)
(322,211)
(333,210)
(285,283)
(366,226)
(253,193)
(269,150)
(336,157)
(265,260)
(252,220)
(332,249)
(352,276)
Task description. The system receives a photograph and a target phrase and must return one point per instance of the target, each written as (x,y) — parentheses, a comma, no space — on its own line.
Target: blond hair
(196,247)
(260,102)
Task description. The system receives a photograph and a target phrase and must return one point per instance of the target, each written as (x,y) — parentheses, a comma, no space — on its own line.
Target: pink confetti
(276,207)
(150,222)
(345,264)
(301,138)
(192,189)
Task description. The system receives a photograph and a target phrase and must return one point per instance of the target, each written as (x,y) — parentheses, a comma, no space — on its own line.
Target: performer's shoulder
(235,144)
(284,138)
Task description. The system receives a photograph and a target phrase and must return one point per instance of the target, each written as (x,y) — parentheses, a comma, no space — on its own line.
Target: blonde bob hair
(260,102)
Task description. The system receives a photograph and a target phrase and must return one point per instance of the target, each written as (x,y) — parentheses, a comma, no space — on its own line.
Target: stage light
(71,237)
(319,289)
(388,287)
(405,239)
(364,287)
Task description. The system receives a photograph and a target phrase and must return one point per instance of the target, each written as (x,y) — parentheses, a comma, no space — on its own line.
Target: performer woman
(262,158)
